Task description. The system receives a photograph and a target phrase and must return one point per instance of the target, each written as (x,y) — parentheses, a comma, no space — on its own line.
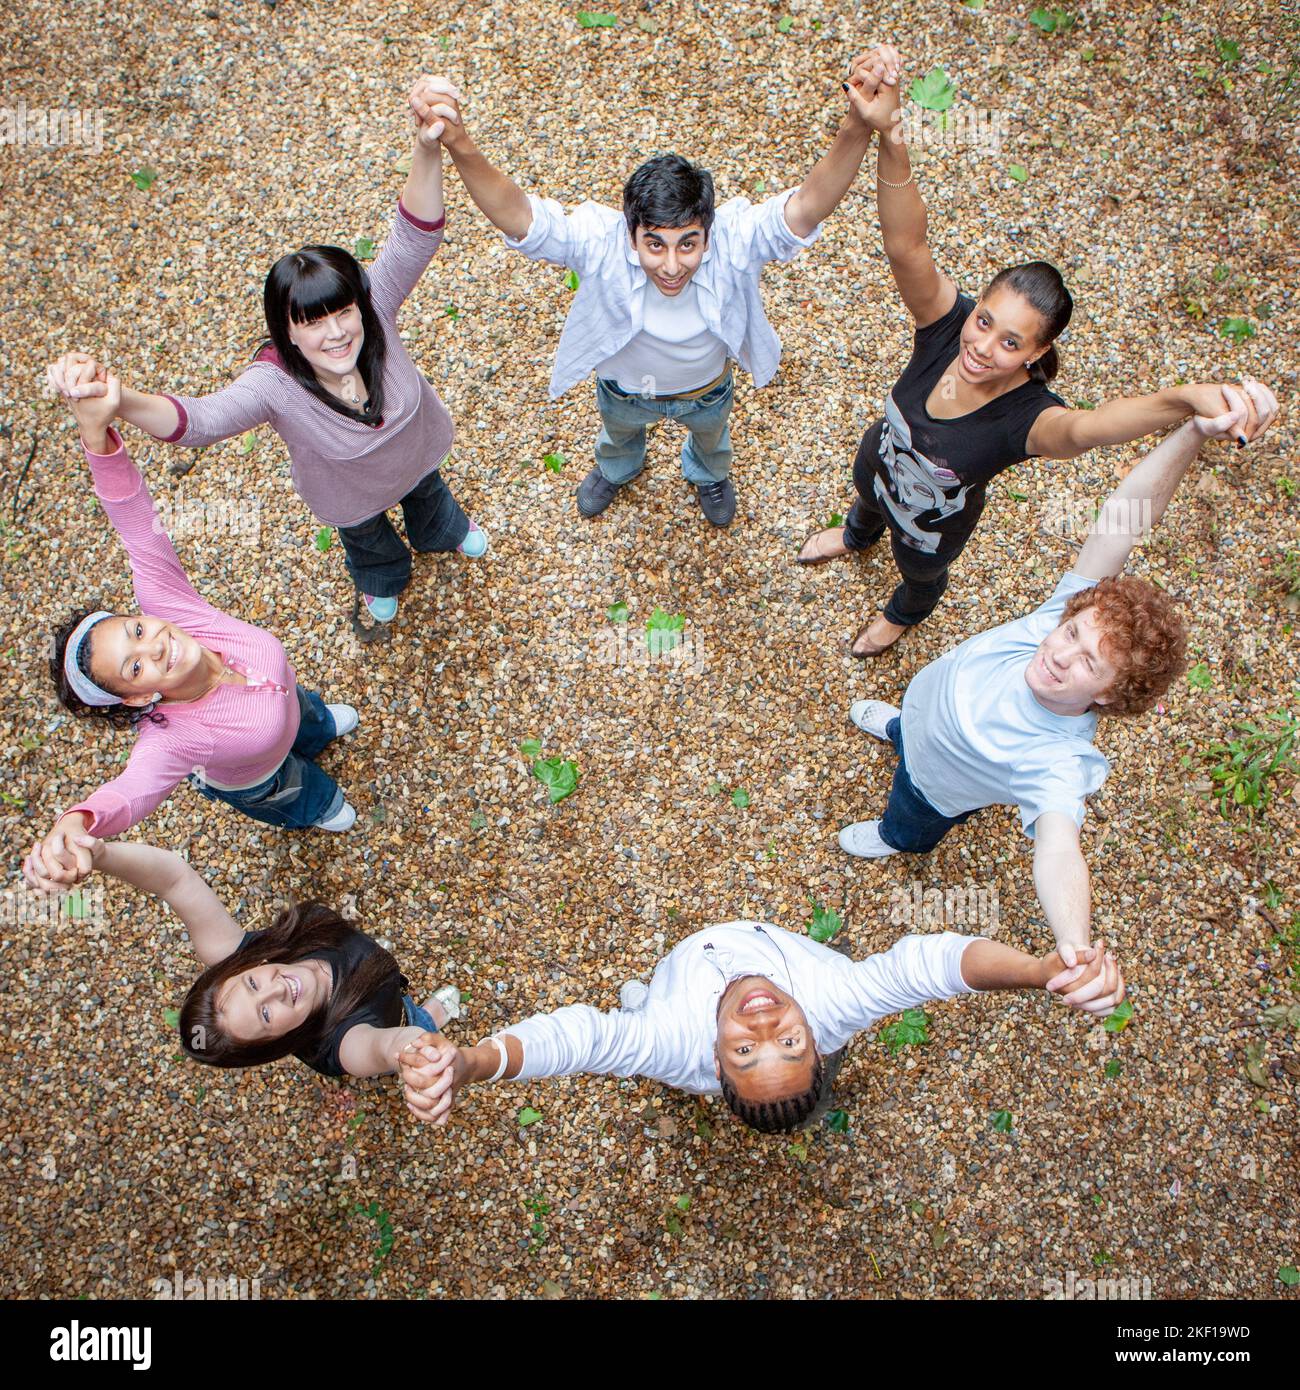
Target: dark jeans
(377,558)
(298,794)
(910,823)
(925,577)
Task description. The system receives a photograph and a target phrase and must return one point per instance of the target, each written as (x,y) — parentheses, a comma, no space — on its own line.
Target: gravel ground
(1162,191)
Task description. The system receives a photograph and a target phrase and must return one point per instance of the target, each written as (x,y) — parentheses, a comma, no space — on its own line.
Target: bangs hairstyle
(121,716)
(308,284)
(668,191)
(299,931)
(1142,636)
(1042,286)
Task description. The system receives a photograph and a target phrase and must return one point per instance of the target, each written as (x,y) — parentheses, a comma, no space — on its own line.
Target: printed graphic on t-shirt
(916,485)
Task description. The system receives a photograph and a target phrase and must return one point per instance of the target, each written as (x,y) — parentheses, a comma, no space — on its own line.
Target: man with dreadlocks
(750,1011)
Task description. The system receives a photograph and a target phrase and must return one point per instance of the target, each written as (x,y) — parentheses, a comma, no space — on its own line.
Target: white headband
(82,686)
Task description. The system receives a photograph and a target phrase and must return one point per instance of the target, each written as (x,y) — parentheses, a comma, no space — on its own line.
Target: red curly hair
(1142,636)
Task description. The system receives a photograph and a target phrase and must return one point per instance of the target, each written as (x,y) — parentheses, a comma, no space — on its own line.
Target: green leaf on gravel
(683,1203)
(529,1116)
(617,612)
(798,1150)
(1113,1068)
(912,1030)
(785,24)
(825,922)
(324,538)
(247,444)
(1118,1019)
(837,1121)
(553,463)
(740,799)
(1199,677)
(531,748)
(1237,329)
(591,19)
(144,178)
(477,821)
(716,788)
(663,631)
(973,4)
(1001,1121)
(172,1018)
(1018,172)
(364,250)
(571,280)
(558,776)
(1289,1275)
(934,91)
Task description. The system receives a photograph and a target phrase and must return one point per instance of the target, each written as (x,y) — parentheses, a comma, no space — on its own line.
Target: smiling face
(764,1041)
(272,999)
(1000,336)
(1069,673)
(332,344)
(139,657)
(671,255)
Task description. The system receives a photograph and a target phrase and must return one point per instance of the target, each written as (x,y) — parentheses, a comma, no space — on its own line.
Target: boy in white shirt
(750,1011)
(668,295)
(1009,716)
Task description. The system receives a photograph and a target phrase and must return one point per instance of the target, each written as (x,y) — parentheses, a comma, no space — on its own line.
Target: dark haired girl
(365,430)
(311,984)
(972,400)
(212,698)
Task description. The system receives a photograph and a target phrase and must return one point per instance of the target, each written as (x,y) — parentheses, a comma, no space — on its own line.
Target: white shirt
(974,734)
(671,1038)
(608,310)
(674,351)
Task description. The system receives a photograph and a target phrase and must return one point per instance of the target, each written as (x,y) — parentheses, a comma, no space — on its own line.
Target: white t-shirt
(671,1038)
(974,734)
(674,351)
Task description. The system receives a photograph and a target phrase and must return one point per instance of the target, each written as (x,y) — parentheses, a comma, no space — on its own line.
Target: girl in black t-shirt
(972,400)
(310,985)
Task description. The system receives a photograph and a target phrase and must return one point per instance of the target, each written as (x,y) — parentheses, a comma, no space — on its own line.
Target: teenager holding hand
(669,295)
(210,697)
(365,430)
(311,985)
(974,398)
(753,1012)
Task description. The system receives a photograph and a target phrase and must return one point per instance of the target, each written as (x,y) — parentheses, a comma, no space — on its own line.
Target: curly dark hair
(777,1116)
(1142,635)
(119,716)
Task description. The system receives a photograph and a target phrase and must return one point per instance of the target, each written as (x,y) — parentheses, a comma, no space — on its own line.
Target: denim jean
(416,1017)
(298,794)
(910,823)
(377,557)
(620,446)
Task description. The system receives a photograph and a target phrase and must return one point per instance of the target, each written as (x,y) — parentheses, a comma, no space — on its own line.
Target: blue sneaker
(382,610)
(475,544)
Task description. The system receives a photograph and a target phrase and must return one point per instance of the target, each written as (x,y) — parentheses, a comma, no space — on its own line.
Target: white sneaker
(873,716)
(345,719)
(633,995)
(862,840)
(343,820)
(449,997)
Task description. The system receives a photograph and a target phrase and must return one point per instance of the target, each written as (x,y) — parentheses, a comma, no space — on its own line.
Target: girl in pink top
(211,698)
(365,430)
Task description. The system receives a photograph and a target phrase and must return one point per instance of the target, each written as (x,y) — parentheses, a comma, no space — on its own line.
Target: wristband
(505,1058)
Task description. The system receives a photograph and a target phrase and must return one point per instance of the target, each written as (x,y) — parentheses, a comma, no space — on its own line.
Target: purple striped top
(345,471)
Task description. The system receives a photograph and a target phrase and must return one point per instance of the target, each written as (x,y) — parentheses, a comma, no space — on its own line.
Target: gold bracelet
(911,175)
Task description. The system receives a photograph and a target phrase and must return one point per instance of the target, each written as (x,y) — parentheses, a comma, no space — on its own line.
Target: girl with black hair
(972,400)
(365,430)
(210,697)
(311,985)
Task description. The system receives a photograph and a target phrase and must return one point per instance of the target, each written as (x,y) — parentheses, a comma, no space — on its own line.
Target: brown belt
(687,395)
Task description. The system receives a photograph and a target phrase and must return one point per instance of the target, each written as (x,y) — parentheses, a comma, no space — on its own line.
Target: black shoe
(717,501)
(595,493)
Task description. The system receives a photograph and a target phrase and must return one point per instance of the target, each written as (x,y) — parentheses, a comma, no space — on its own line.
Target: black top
(382,1010)
(930,475)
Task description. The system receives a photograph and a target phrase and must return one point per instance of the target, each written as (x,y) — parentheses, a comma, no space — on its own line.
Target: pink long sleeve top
(236,735)
(345,471)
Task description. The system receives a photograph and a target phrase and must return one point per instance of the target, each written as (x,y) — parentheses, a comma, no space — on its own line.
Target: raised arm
(370,1051)
(498,197)
(1138,503)
(875,95)
(1061,879)
(1093,983)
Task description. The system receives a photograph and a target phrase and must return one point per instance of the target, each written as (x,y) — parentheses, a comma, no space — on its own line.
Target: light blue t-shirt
(974,735)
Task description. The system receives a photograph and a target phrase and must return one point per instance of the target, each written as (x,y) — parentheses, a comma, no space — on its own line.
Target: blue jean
(620,446)
(298,794)
(377,557)
(416,1017)
(910,823)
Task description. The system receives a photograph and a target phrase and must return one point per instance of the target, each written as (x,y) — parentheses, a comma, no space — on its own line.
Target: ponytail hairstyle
(121,716)
(305,929)
(308,284)
(1041,285)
